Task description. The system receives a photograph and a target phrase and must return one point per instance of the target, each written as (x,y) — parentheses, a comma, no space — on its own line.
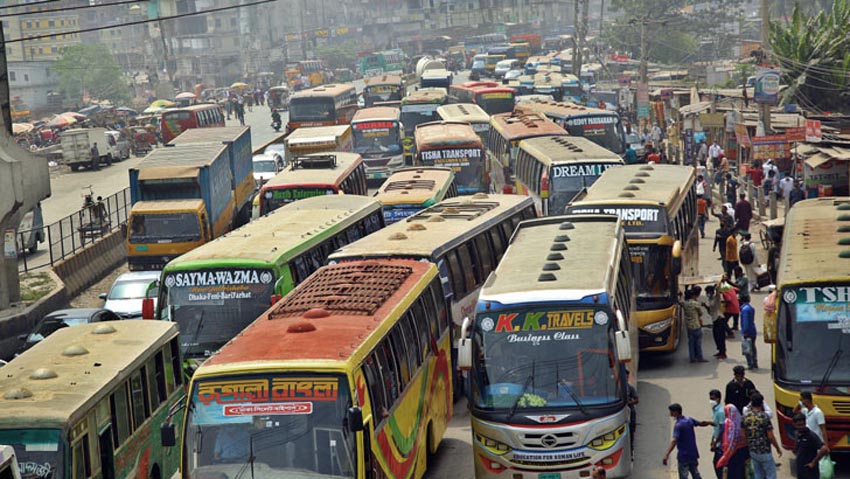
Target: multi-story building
(39,21)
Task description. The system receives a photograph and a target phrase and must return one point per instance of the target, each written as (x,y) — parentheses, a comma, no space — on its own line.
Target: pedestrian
(632,402)
(684,440)
(748,256)
(734,445)
(765,407)
(702,215)
(702,152)
(739,389)
(718,417)
(714,152)
(693,321)
(95,157)
(743,213)
(786,184)
(797,194)
(756,174)
(631,155)
(701,186)
(758,432)
(742,283)
(771,183)
(726,215)
(652,156)
(809,449)
(770,166)
(748,333)
(731,188)
(720,236)
(731,254)
(718,321)
(656,135)
(731,305)
(815,419)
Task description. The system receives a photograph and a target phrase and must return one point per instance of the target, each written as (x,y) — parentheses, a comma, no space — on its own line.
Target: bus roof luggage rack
(411,185)
(314,162)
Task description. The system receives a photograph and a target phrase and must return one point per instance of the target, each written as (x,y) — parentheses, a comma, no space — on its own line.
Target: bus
(554,169)
(323,105)
(384,90)
(88,401)
(506,131)
(216,290)
(378,63)
(602,127)
(347,377)
(811,323)
(559,86)
(657,205)
(318,174)
(522,50)
(547,352)
(490,96)
(464,236)
(378,139)
(177,120)
(318,139)
(470,113)
(454,144)
(313,70)
(410,190)
(419,107)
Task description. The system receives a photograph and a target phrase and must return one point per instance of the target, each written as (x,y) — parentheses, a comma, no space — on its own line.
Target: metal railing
(72,233)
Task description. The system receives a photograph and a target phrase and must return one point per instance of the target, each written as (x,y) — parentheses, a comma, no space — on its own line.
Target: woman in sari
(735,452)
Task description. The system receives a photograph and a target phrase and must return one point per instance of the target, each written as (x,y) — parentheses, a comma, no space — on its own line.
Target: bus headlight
(605,441)
(656,328)
(492,445)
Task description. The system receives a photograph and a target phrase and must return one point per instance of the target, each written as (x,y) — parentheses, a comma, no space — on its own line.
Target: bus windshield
(517,363)
(377,138)
(652,274)
(496,102)
(39,452)
(383,92)
(566,181)
(468,164)
(277,425)
(814,315)
(212,305)
(175,227)
(312,109)
(604,130)
(274,198)
(412,115)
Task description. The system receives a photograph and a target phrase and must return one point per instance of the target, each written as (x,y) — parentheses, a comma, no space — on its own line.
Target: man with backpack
(748,257)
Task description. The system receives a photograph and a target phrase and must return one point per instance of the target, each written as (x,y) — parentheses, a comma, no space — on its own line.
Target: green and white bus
(214,291)
(88,402)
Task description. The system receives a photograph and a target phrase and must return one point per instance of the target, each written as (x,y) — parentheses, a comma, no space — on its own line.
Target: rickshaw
(143,140)
(279,98)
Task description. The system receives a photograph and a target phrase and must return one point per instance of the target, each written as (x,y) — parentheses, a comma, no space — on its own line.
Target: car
(266,166)
(63,318)
(127,292)
(478,70)
(633,139)
(513,74)
(504,66)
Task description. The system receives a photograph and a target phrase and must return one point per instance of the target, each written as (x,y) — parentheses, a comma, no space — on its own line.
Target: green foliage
(342,55)
(91,69)
(814,54)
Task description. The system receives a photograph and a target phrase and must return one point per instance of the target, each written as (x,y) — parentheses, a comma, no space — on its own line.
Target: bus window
(398,346)
(389,372)
(485,255)
(421,325)
(82,458)
(457,275)
(377,393)
(155,392)
(440,303)
(120,411)
(410,341)
(138,397)
(498,242)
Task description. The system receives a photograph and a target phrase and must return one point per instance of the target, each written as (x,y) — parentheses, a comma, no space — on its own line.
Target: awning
(695,108)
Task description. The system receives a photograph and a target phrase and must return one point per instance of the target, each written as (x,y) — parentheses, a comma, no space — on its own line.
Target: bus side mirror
(676,264)
(464,347)
(168,434)
(147,308)
(621,337)
(355,419)
(276,298)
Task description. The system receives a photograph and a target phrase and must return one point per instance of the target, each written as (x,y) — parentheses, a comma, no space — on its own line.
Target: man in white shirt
(768,165)
(655,134)
(815,420)
(714,150)
(786,185)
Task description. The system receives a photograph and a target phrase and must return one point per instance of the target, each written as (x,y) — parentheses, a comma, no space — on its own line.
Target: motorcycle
(276,121)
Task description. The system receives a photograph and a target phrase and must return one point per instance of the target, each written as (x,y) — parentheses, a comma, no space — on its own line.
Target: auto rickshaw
(143,140)
(279,98)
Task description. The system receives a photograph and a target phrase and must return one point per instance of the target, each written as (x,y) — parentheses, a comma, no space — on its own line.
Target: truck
(238,142)
(182,197)
(77,143)
(9,463)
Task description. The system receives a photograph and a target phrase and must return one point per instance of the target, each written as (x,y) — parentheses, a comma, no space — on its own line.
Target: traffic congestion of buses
(302,328)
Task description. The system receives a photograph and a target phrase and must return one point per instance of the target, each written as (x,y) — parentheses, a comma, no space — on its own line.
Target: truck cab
(160,231)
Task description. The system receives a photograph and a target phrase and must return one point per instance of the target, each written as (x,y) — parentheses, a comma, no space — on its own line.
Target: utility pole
(602,18)
(301,9)
(5,99)
(643,67)
(764,109)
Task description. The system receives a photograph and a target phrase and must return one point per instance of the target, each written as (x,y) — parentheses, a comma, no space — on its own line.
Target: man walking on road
(748,332)
(815,419)
(718,416)
(759,433)
(685,441)
(693,321)
(738,390)
(743,214)
(809,448)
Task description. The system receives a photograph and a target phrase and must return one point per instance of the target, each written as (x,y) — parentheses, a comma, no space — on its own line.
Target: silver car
(129,290)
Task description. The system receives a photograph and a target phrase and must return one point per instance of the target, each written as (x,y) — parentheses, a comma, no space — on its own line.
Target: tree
(814,55)
(91,70)
(338,55)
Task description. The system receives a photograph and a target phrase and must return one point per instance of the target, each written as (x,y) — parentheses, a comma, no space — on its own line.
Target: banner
(795,134)
(770,147)
(813,132)
(742,135)
(711,120)
(767,87)
(643,100)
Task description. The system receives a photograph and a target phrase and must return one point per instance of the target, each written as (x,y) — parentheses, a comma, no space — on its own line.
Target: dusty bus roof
(57,380)
(209,135)
(332,89)
(549,255)
(317,133)
(435,229)
(559,149)
(445,133)
(463,112)
(816,241)
(425,95)
(645,184)
(292,175)
(382,80)
(282,234)
(560,108)
(414,185)
(321,322)
(524,125)
(376,113)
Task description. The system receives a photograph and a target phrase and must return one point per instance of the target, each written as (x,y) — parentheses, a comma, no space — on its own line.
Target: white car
(266,165)
(505,66)
(129,290)
(513,74)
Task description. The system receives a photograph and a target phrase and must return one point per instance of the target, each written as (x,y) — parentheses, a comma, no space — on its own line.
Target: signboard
(10,249)
(647,219)
(455,158)
(797,133)
(688,139)
(666,93)
(625,97)
(813,132)
(711,120)
(771,146)
(767,87)
(261,390)
(643,100)
(822,304)
(833,172)
(742,135)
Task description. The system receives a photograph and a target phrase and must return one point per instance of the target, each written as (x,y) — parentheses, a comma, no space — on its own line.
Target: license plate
(550,475)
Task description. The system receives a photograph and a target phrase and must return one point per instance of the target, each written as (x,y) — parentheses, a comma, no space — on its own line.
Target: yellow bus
(554,169)
(657,205)
(410,190)
(317,139)
(347,376)
(811,325)
(470,113)
(89,401)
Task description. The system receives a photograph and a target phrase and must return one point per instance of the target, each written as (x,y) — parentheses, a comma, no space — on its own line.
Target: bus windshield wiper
(832,364)
(250,463)
(522,393)
(575,398)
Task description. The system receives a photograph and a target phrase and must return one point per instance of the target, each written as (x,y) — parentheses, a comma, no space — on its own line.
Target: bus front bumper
(658,329)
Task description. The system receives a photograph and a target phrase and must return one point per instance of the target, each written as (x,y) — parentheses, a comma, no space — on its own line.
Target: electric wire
(75,7)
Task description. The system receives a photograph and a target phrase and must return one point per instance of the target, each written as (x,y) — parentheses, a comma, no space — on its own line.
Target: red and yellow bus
(315,174)
(177,120)
(455,145)
(323,105)
(491,96)
(506,131)
(348,376)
